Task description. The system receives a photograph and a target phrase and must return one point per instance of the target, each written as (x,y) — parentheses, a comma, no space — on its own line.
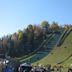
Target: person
(59,68)
(49,68)
(70,68)
(8,69)
(1,67)
(20,69)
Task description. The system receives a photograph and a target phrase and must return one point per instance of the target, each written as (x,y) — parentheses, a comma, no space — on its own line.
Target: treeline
(26,41)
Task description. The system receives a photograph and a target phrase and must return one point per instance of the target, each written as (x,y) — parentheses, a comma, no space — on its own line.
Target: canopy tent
(26,64)
(26,67)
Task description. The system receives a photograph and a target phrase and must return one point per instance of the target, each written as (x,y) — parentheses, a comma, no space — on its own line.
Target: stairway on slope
(48,46)
(48,37)
(52,43)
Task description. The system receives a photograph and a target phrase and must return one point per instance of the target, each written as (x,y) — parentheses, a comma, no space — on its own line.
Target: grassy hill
(54,55)
(59,54)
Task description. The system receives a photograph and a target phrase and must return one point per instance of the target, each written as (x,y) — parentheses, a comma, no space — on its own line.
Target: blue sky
(17,14)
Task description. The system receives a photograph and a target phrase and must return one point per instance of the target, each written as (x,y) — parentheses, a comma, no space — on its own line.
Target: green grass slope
(59,54)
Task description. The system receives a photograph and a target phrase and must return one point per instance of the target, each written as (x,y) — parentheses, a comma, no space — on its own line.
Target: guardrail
(65,59)
(58,43)
(65,36)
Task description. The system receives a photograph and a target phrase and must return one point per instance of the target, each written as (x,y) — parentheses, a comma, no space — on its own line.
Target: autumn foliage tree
(26,41)
(54,26)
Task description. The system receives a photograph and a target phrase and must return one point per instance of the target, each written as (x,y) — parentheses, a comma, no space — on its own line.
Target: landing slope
(59,54)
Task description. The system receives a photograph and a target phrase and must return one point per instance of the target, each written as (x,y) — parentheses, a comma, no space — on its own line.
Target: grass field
(59,54)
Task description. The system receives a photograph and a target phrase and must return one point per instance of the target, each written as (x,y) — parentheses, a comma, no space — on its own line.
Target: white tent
(26,64)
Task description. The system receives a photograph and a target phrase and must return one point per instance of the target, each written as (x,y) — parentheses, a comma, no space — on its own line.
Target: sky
(17,14)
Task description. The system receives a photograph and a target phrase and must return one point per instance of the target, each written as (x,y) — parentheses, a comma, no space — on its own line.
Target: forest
(27,40)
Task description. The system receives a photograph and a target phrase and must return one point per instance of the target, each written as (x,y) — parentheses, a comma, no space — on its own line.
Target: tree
(29,32)
(30,27)
(54,26)
(4,43)
(14,38)
(38,34)
(20,36)
(66,26)
(45,25)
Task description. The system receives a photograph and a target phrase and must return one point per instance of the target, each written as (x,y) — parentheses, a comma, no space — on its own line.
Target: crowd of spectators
(47,68)
(27,67)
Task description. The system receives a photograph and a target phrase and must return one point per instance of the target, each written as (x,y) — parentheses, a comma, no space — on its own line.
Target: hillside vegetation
(60,54)
(28,40)
(38,44)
